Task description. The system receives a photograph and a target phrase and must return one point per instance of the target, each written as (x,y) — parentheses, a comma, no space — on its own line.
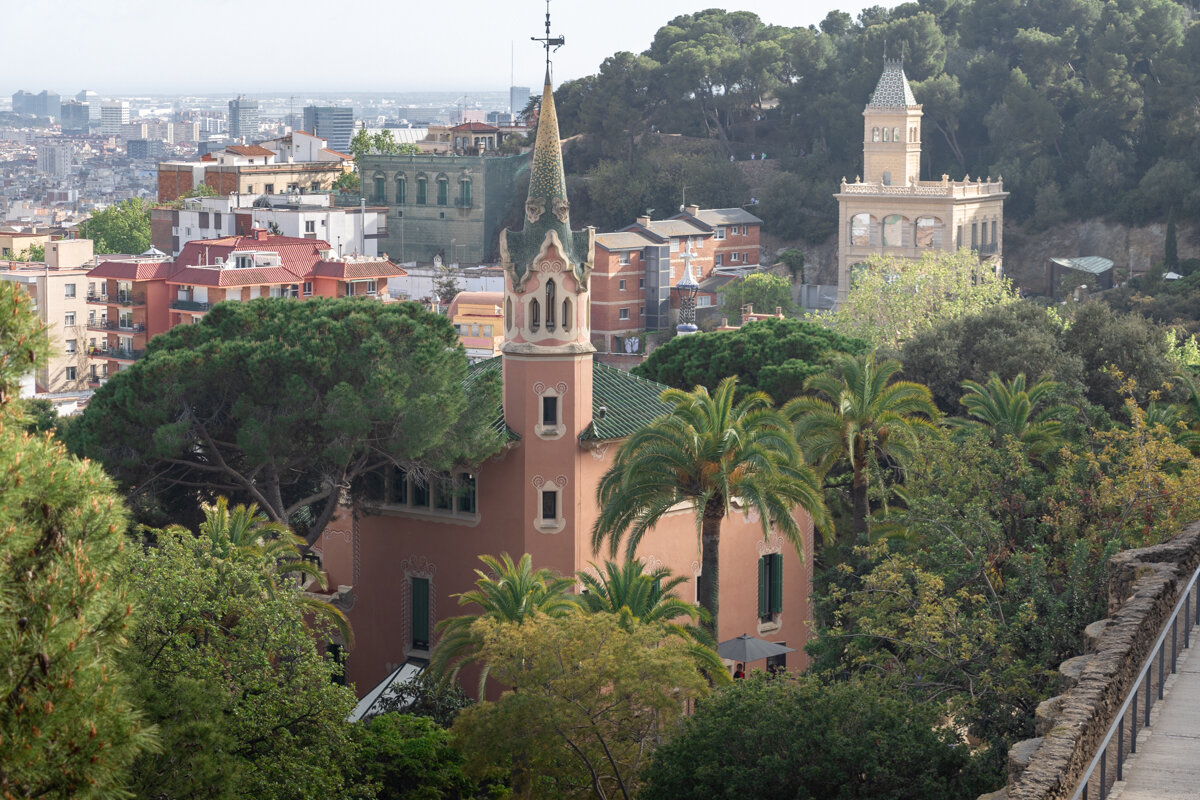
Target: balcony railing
(189,305)
(97,297)
(989,249)
(107,325)
(464,202)
(116,353)
(127,299)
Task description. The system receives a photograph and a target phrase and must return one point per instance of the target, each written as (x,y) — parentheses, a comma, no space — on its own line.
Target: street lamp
(686,290)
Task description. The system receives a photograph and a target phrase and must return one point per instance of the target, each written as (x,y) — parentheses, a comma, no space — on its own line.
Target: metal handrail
(1159,651)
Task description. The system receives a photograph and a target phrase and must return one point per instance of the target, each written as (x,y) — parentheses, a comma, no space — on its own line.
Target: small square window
(310,226)
(621,285)
(720,233)
(70,373)
(549,504)
(68,290)
(308,288)
(69,319)
(71,345)
(623,313)
(623,260)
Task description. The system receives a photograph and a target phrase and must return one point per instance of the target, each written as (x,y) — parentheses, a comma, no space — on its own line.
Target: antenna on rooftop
(549,41)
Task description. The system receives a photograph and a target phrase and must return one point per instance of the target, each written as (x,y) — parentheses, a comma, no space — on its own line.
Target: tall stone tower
(547,350)
(892,130)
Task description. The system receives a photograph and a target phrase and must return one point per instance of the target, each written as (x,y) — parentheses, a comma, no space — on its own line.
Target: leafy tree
(229,670)
(762,290)
(633,594)
(407,149)
(348,183)
(1008,340)
(445,285)
(426,695)
(288,404)
(68,726)
(1007,409)
(120,228)
(857,740)
(893,299)
(589,696)
(512,592)
(360,143)
(858,414)
(707,451)
(793,259)
(202,190)
(775,356)
(412,758)
(384,143)
(35,252)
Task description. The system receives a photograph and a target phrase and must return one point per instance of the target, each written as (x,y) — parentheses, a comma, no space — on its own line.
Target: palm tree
(1007,409)
(1173,419)
(511,592)
(707,452)
(243,532)
(633,594)
(857,413)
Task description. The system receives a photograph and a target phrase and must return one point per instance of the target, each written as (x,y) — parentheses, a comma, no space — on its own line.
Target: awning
(1093,265)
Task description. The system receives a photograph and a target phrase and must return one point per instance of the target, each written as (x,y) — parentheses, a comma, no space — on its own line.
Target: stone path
(1167,763)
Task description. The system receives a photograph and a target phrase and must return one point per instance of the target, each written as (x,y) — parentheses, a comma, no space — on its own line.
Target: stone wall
(1144,586)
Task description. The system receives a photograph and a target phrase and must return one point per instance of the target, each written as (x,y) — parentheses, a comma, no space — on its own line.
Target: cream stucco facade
(889,210)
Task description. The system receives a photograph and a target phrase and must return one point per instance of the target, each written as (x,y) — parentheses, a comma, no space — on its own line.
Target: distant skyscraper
(114,115)
(48,104)
(518,98)
(22,102)
(93,101)
(76,116)
(243,119)
(334,125)
(54,159)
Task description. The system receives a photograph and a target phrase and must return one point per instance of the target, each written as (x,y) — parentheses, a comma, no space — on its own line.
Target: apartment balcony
(97,297)
(115,353)
(989,249)
(190,305)
(464,202)
(107,325)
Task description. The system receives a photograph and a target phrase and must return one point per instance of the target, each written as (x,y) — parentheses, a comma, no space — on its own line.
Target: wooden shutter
(420,612)
(762,587)
(776,583)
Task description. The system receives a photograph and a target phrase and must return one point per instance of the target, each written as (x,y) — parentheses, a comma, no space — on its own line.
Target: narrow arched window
(401,191)
(566,315)
(535,316)
(550,305)
(887,134)
(508,314)
(895,134)
(874,134)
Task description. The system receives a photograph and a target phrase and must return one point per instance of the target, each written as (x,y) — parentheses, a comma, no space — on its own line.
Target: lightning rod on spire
(549,41)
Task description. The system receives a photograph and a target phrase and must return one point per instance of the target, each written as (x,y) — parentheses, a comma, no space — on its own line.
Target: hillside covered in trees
(1085,107)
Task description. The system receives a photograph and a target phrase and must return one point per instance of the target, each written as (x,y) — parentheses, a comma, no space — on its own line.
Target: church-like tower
(892,130)
(547,350)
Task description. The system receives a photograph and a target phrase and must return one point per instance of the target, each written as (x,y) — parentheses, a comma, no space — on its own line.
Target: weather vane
(549,41)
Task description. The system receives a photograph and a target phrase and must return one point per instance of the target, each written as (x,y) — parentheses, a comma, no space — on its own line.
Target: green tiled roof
(631,403)
(487,367)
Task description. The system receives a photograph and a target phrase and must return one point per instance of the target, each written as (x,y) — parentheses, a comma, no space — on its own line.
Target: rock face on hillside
(1026,255)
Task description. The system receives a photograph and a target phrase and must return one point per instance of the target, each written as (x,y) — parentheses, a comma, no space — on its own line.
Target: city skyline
(127,47)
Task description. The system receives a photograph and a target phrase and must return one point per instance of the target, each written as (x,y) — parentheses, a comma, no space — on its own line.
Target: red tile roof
(131,270)
(358,270)
(297,255)
(476,127)
(254,276)
(336,153)
(249,150)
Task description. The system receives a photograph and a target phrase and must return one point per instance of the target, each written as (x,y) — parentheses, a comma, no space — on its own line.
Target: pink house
(402,559)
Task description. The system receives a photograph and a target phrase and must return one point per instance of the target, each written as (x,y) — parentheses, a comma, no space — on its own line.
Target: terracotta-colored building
(637,267)
(400,560)
(133,299)
(479,319)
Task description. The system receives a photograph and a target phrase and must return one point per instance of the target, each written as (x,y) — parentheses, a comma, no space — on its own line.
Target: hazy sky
(215,46)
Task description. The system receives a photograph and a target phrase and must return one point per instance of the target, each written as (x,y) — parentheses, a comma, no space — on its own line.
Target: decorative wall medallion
(538,481)
(774,544)
(554,265)
(561,480)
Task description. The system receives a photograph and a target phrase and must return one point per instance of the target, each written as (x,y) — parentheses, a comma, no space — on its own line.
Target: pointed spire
(547,180)
(893,90)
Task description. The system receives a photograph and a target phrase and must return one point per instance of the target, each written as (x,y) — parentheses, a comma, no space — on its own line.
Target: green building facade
(446,205)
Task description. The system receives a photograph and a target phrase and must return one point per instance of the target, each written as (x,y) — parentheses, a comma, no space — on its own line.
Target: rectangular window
(549,504)
(308,288)
(549,410)
(421,192)
(974,235)
(443,187)
(370,287)
(70,373)
(68,290)
(269,188)
(735,257)
(69,319)
(216,220)
(674,245)
(420,494)
(310,226)
(621,285)
(443,493)
(718,260)
(993,231)
(770,585)
(420,613)
(623,259)
(467,495)
(641,283)
(623,313)
(71,345)
(720,233)
(487,330)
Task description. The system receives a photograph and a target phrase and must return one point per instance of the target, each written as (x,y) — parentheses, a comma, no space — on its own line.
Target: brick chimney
(691,210)
(644,221)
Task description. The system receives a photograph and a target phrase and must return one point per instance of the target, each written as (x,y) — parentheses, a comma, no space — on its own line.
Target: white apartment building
(54,159)
(114,115)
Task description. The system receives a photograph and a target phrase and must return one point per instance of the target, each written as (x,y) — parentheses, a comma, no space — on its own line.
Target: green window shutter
(762,587)
(776,583)
(420,612)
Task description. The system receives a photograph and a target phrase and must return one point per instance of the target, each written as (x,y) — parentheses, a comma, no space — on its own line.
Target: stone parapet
(943,188)
(1144,585)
